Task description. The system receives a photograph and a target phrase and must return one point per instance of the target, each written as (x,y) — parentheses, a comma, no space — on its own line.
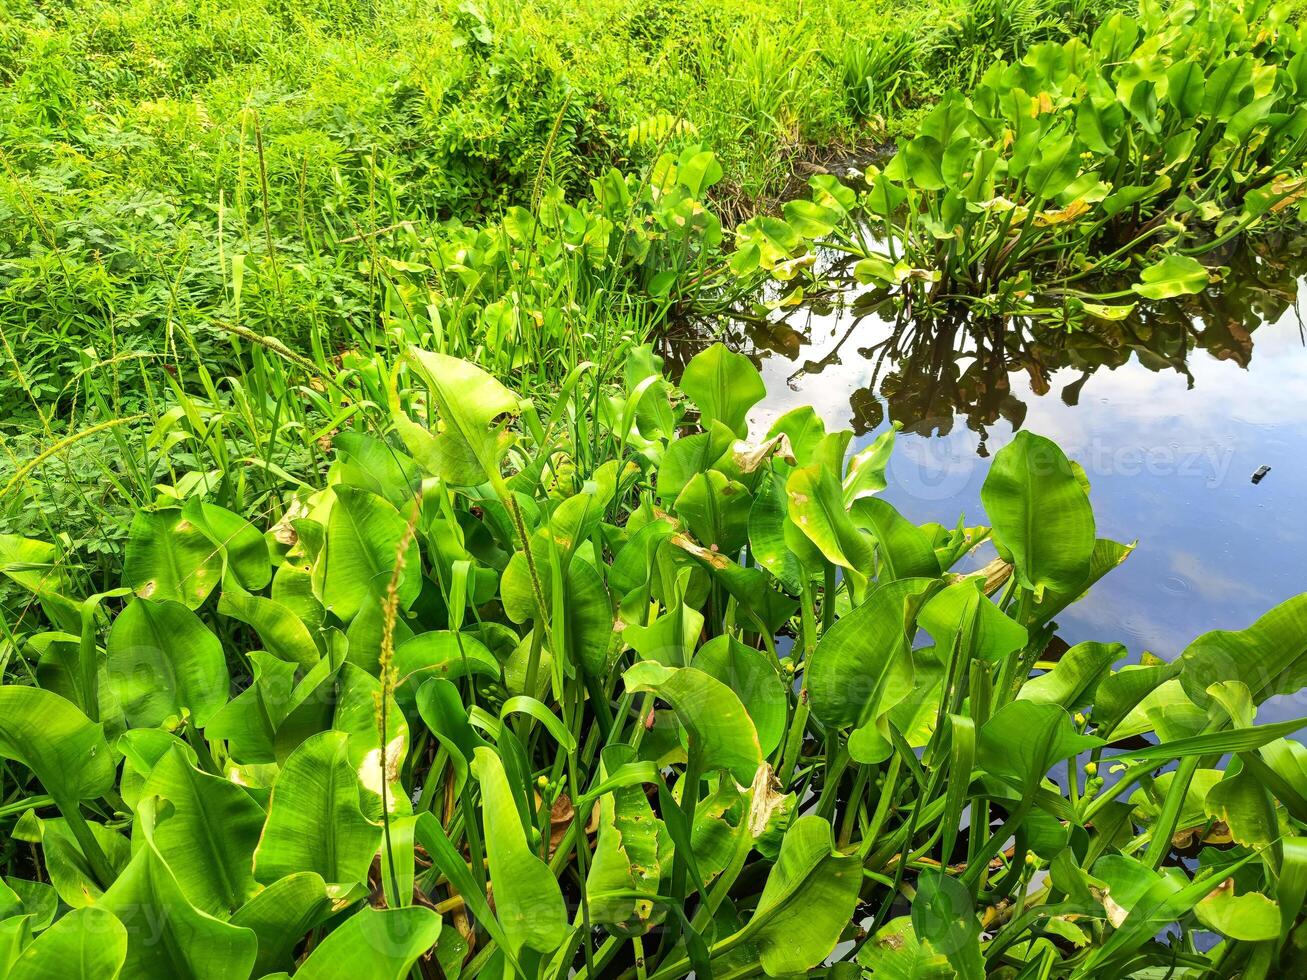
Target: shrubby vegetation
(373,603)
(150,145)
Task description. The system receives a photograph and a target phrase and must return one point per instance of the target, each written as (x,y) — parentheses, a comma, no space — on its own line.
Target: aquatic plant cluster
(398,611)
(1155,141)
(708,705)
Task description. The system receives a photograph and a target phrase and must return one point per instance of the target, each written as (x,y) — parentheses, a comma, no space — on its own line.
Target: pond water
(1170,412)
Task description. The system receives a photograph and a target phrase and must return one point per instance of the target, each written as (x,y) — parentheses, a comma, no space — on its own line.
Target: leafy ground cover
(377,606)
(600,684)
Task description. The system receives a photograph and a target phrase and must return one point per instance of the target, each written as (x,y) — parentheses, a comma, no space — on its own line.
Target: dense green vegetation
(515,657)
(177,176)
(1174,133)
(373,603)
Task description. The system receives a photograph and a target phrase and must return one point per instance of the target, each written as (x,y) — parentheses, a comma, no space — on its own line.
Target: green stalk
(95,857)
(1164,827)
(854,803)
(794,739)
(882,805)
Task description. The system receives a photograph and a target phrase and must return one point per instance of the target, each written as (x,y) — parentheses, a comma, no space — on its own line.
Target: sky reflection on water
(1169,431)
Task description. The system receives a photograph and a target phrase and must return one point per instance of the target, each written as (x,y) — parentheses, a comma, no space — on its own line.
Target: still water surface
(1170,412)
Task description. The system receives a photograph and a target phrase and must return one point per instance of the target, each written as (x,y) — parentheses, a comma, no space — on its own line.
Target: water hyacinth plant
(1129,154)
(611,685)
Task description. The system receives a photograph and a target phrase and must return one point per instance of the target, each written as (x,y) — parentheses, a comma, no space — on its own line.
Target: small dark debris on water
(1261,474)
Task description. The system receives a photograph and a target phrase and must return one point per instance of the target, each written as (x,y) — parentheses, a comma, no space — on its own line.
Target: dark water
(1170,412)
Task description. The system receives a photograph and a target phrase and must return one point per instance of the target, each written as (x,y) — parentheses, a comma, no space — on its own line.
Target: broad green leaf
(1270,656)
(895,953)
(587,619)
(372,464)
(86,944)
(292,586)
(921,159)
(686,458)
(366,633)
(373,944)
(862,667)
(243,549)
(669,639)
(903,549)
(1250,917)
(866,473)
(472,438)
(528,901)
(753,676)
(71,875)
(442,653)
(723,385)
(758,606)
(142,748)
(18,896)
(767,542)
(804,429)
(720,827)
(37,566)
(163,663)
(1250,117)
(15,936)
(961,614)
(632,852)
(50,736)
(1115,38)
(167,937)
(1107,555)
(697,170)
(1172,275)
(715,509)
(517,590)
(1075,677)
(357,561)
(1140,902)
(1024,740)
(1040,513)
(810,219)
(284,634)
(1098,123)
(281,915)
(1185,87)
(168,557)
(1192,815)
(1145,698)
(208,835)
(716,723)
(441,707)
(944,916)
(1243,804)
(807,901)
(314,819)
(1228,87)
(249,721)
(358,695)
(574,521)
(817,509)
